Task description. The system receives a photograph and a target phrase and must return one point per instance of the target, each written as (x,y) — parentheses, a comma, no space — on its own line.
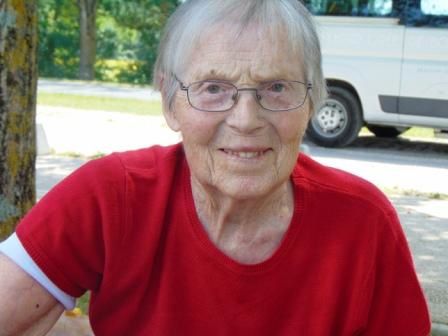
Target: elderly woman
(232,231)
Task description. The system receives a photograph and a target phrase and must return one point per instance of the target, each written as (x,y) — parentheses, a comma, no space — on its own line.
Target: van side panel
(367,53)
(424,75)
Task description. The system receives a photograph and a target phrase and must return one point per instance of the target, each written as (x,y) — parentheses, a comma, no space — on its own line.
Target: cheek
(291,130)
(198,128)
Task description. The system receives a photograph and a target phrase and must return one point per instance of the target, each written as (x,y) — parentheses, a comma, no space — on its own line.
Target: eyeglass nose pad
(235,96)
(258,96)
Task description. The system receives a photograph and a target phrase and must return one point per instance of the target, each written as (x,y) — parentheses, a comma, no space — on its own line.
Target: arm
(397,302)
(26,308)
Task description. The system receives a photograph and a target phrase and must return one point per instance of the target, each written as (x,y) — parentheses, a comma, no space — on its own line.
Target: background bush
(128,32)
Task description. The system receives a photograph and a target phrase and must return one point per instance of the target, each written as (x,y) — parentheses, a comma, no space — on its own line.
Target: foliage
(58,52)
(119,70)
(128,33)
(142,22)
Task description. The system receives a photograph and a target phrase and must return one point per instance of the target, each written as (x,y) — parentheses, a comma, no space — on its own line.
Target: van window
(429,13)
(350,7)
(434,7)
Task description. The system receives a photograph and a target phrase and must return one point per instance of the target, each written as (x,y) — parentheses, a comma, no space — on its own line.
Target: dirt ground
(69,325)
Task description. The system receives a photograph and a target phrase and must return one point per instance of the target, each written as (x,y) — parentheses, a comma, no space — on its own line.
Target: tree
(18,40)
(58,47)
(87,38)
(122,38)
(147,18)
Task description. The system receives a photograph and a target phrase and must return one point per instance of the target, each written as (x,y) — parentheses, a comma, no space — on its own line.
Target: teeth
(245,155)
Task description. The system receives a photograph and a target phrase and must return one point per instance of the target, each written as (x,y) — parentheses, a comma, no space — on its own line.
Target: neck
(248,230)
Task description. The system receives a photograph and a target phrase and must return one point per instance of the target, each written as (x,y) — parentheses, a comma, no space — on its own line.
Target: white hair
(285,19)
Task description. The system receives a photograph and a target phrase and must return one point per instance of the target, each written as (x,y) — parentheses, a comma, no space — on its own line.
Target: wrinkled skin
(241,159)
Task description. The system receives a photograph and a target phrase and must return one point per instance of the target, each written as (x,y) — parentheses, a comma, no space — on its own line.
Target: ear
(170,114)
(168,111)
(309,110)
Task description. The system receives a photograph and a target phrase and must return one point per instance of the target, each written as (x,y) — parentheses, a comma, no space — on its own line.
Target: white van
(386,65)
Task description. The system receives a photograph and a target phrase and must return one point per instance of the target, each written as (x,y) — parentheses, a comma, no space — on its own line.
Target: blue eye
(213,88)
(277,87)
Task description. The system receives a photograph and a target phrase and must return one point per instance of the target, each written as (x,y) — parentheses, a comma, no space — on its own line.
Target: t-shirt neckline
(201,237)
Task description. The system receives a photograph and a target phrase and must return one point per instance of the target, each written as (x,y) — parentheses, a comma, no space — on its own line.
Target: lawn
(84,102)
(145,107)
(83,303)
(413,132)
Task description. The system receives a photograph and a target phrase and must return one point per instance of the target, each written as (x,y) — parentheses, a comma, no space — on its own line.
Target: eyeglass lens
(221,96)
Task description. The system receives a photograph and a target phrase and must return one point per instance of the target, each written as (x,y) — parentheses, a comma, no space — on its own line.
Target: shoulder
(107,178)
(339,185)
(154,164)
(115,165)
(148,159)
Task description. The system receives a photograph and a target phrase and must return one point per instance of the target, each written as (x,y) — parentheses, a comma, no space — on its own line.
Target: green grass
(143,107)
(111,104)
(395,191)
(83,303)
(413,132)
(419,132)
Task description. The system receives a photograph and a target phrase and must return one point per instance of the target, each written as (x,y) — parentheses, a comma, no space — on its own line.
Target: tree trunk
(18,77)
(87,38)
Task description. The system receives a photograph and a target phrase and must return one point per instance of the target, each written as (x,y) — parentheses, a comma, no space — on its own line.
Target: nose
(246,115)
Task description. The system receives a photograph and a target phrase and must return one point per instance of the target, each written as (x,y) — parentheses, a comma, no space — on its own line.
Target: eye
(276,87)
(213,88)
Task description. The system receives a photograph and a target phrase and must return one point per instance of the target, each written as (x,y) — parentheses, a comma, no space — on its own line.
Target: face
(246,152)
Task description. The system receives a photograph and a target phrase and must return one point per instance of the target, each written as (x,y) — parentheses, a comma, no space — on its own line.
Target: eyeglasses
(220,96)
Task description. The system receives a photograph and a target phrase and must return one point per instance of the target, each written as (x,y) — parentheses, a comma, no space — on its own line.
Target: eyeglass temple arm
(182,85)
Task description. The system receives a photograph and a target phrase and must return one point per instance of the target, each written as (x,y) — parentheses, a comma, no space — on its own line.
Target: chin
(248,188)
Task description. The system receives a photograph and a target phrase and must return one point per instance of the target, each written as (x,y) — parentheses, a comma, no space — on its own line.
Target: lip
(245,153)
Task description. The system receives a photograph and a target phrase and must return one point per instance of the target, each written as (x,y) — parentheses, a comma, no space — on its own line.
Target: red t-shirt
(125,228)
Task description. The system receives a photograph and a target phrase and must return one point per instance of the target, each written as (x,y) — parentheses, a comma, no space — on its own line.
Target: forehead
(251,55)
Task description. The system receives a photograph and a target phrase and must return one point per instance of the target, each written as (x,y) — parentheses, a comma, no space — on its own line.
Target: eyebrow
(214,74)
(272,75)
(217,74)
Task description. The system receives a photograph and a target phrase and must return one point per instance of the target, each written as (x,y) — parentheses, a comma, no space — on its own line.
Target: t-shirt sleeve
(72,231)
(13,249)
(397,305)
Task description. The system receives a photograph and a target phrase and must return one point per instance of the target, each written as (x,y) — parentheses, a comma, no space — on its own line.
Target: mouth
(245,154)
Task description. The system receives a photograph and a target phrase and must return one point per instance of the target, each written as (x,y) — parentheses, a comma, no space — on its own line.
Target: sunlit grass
(413,132)
(83,303)
(396,191)
(145,107)
(419,132)
(111,104)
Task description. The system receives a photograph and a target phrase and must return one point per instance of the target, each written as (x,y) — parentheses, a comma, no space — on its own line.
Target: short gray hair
(276,17)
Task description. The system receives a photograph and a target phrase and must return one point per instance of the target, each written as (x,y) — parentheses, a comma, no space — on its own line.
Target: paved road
(401,163)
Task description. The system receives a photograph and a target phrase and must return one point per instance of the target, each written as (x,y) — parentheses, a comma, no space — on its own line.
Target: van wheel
(338,121)
(386,131)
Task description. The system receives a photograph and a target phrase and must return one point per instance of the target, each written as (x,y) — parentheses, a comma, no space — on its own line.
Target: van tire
(386,131)
(338,121)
